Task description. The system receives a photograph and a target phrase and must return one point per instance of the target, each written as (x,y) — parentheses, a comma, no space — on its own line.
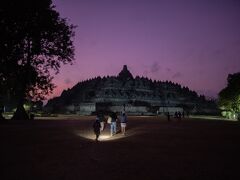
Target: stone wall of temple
(142,95)
(171,110)
(86,108)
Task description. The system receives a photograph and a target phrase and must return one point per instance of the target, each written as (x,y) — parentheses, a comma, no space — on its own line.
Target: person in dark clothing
(32,116)
(96,128)
(179,116)
(1,112)
(114,115)
(176,114)
(113,125)
(168,116)
(123,121)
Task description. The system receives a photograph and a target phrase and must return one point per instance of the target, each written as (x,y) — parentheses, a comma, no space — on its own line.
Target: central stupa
(125,75)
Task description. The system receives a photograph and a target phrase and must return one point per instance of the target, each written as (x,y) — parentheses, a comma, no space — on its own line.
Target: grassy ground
(152,149)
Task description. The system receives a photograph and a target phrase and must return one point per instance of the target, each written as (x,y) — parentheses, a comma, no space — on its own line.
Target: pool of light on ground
(105,136)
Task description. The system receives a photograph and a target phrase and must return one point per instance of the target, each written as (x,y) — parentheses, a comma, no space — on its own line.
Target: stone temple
(136,96)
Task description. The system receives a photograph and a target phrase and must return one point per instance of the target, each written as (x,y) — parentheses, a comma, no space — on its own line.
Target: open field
(152,149)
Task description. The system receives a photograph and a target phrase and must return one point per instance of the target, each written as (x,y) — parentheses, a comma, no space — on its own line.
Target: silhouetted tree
(35,42)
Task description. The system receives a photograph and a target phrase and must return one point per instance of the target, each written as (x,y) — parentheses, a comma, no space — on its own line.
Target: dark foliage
(229,97)
(35,42)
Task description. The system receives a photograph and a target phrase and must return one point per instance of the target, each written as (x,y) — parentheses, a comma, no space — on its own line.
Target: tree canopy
(35,41)
(229,97)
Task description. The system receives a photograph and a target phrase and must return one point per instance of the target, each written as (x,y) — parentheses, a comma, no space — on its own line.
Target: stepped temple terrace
(136,96)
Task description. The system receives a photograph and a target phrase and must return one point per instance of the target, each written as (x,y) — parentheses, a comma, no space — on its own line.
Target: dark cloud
(155,67)
(177,75)
(168,70)
(67,81)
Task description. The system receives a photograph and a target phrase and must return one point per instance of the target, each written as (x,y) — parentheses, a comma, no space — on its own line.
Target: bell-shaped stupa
(125,74)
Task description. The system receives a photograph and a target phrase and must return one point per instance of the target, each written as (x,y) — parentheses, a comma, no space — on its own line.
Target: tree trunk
(20,113)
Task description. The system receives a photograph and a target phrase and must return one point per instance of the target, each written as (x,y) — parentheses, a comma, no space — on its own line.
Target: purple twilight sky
(192,42)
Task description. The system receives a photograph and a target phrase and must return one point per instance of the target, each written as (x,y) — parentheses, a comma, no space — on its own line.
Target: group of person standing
(100,121)
(178,115)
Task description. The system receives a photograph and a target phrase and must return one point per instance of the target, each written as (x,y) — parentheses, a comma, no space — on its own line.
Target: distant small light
(234,116)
